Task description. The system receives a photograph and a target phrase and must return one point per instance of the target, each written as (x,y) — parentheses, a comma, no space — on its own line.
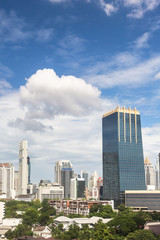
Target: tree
(141,234)
(101,232)
(30,217)
(43,219)
(46,208)
(85,233)
(122,225)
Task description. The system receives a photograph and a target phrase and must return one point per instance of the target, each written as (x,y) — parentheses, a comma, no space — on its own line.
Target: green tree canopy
(141,234)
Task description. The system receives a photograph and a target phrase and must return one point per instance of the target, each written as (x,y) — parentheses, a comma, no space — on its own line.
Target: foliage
(20,230)
(72,233)
(101,232)
(46,208)
(30,216)
(141,234)
(57,231)
(122,225)
(123,209)
(85,233)
(104,211)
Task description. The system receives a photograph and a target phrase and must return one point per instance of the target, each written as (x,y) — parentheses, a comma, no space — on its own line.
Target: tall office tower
(24,167)
(29,169)
(157,169)
(150,177)
(7,180)
(123,163)
(84,174)
(63,175)
(77,188)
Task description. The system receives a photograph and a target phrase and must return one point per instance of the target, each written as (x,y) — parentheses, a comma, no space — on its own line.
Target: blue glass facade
(123,163)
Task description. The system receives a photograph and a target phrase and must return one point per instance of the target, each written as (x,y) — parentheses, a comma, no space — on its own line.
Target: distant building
(143,199)
(50,191)
(63,174)
(76,206)
(2,211)
(100,187)
(93,180)
(24,167)
(150,177)
(42,231)
(157,170)
(16,184)
(84,174)
(123,163)
(153,226)
(77,188)
(7,180)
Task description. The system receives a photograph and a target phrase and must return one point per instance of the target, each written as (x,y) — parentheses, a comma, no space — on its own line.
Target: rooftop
(124,110)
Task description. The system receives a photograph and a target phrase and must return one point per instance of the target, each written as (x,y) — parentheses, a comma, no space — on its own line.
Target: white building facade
(23,167)
(7,180)
(50,191)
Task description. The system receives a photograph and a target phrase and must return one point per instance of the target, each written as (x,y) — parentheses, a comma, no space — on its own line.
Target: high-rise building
(77,188)
(84,174)
(150,177)
(157,169)
(24,167)
(63,174)
(7,180)
(123,163)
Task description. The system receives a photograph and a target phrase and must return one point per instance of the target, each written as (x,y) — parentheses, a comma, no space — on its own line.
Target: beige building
(7,180)
(50,191)
(150,176)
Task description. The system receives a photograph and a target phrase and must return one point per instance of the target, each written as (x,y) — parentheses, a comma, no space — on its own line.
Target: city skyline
(63,65)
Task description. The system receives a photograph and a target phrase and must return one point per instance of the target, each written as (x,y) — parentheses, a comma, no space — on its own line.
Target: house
(79,221)
(3,230)
(153,226)
(42,231)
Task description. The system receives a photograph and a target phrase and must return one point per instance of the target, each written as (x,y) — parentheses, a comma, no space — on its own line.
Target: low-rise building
(79,221)
(153,226)
(12,222)
(2,211)
(143,199)
(76,206)
(42,231)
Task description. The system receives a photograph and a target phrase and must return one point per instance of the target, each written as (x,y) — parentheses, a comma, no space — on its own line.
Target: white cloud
(15,30)
(77,138)
(132,77)
(142,41)
(58,1)
(151,142)
(46,95)
(108,8)
(157,76)
(137,8)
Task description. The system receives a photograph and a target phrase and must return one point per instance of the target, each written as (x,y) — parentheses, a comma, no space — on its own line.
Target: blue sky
(64,63)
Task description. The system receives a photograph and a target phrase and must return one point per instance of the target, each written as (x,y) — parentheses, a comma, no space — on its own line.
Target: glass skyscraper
(123,163)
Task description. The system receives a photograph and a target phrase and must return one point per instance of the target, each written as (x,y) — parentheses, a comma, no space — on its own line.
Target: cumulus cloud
(46,95)
(29,125)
